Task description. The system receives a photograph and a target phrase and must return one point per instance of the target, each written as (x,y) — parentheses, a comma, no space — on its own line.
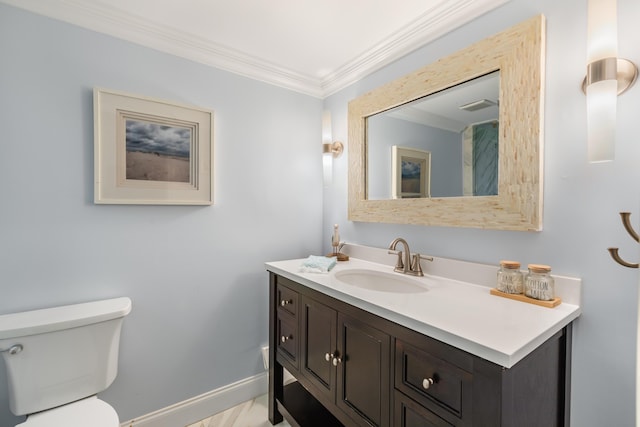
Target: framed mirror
(477,116)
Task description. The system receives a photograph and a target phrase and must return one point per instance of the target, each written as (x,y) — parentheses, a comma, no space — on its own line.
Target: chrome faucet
(410,264)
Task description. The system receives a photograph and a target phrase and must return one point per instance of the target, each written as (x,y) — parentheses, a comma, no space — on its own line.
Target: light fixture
(607,77)
(330,149)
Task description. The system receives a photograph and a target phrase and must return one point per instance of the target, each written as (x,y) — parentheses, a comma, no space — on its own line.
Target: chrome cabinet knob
(285,302)
(426,383)
(331,358)
(285,338)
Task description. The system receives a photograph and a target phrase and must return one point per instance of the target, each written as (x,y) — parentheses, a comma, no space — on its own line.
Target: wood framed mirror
(517,54)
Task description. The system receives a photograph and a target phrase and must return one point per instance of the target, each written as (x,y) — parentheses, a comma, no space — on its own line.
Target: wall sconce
(607,77)
(330,150)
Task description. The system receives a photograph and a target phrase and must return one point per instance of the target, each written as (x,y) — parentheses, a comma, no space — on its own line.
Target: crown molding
(102,18)
(445,17)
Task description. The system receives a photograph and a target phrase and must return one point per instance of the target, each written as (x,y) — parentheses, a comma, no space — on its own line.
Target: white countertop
(461,314)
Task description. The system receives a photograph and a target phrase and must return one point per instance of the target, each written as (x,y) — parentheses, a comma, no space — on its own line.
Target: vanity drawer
(433,382)
(287,333)
(408,413)
(287,299)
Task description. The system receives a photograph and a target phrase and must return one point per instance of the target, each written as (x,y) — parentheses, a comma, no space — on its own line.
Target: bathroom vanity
(453,355)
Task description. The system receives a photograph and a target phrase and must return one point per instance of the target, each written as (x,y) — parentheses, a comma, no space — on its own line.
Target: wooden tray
(520,297)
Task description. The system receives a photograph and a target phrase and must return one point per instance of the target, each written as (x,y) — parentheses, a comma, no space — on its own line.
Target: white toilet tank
(58,355)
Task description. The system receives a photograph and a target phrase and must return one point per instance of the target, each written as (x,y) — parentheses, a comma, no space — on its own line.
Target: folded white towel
(317,264)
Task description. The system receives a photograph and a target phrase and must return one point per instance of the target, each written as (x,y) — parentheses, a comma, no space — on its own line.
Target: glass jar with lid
(538,283)
(509,277)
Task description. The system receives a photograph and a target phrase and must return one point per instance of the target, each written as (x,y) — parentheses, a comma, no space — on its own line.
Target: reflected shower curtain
(485,159)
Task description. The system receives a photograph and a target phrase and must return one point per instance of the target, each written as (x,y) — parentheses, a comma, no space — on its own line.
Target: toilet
(59,358)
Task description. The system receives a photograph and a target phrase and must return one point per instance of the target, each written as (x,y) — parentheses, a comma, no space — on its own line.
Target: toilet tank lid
(57,318)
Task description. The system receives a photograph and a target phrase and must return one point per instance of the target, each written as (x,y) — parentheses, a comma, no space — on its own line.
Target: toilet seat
(86,412)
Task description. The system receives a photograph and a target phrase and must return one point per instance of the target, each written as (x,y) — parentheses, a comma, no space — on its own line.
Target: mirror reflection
(441,145)
(518,53)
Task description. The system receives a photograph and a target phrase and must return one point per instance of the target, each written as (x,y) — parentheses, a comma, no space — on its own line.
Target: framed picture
(410,173)
(149,151)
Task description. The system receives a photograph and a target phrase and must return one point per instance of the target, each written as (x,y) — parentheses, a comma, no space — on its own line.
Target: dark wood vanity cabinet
(346,361)
(354,368)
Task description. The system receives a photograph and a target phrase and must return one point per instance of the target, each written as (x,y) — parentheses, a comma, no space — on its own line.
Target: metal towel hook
(614,251)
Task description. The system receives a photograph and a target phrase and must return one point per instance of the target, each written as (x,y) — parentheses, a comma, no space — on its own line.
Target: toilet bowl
(58,359)
(88,412)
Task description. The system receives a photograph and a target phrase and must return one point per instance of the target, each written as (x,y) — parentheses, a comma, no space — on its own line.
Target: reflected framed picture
(150,151)
(410,173)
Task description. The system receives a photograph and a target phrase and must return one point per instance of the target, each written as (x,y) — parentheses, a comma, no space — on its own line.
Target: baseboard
(205,405)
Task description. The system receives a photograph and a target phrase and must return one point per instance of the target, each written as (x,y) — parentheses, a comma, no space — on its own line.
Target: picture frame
(410,173)
(151,151)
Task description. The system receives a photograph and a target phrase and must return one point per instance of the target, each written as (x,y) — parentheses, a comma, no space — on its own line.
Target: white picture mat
(415,156)
(111,110)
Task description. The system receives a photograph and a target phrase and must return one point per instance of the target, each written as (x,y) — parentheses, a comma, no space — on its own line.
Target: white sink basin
(381,281)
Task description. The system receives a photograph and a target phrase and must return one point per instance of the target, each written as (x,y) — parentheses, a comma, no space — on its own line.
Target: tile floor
(253,413)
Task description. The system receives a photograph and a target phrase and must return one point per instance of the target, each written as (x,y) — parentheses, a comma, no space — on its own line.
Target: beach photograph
(157,152)
(411,174)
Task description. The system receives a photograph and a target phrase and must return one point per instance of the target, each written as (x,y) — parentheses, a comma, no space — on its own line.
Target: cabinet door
(319,345)
(363,372)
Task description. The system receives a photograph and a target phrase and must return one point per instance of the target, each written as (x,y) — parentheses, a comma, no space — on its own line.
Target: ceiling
(444,110)
(315,47)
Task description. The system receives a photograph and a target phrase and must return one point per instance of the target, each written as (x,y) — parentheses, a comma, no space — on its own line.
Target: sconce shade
(602,30)
(602,100)
(330,150)
(601,82)
(327,168)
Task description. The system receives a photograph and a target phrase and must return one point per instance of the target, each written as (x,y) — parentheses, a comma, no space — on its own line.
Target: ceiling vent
(477,105)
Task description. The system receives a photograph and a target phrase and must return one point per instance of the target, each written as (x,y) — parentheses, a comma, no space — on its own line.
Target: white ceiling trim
(445,17)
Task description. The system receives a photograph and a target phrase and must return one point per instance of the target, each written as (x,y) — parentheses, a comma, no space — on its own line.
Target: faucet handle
(416,268)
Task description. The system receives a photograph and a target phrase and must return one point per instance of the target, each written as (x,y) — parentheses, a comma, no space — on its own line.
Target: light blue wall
(195,274)
(445,148)
(581,201)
